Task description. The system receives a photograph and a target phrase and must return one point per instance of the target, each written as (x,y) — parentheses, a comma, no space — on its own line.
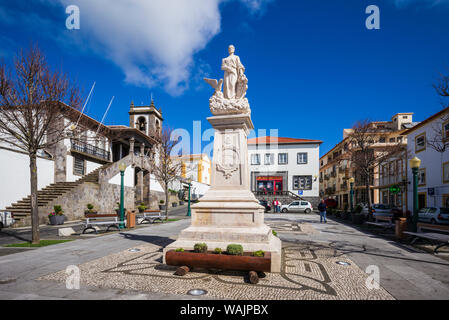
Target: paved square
(309,271)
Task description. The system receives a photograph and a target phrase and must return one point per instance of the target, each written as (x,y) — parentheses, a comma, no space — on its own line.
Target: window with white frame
(302,158)
(269,159)
(255,159)
(283,158)
(420,142)
(422,177)
(302,182)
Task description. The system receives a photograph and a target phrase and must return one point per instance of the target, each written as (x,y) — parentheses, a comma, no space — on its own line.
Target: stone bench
(378,222)
(150,216)
(109,220)
(442,239)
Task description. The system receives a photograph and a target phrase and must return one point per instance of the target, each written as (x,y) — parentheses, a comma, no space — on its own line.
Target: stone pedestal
(229,212)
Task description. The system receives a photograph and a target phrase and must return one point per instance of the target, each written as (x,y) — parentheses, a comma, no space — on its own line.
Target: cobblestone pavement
(308,272)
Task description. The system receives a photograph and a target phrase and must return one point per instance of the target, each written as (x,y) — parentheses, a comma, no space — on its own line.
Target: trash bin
(130,219)
(401,226)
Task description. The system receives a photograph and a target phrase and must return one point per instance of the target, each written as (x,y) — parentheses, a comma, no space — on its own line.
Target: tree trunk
(34,208)
(166,202)
(368,198)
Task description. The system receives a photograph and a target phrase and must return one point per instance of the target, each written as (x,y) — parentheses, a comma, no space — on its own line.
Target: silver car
(379,209)
(434,215)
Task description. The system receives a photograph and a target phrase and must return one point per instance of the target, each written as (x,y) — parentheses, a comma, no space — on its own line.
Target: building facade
(336,169)
(285,165)
(83,167)
(429,141)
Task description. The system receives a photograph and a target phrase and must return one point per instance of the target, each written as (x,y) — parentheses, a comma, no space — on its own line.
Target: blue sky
(312,65)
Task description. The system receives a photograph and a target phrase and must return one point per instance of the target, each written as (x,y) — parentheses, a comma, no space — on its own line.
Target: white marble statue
(235,84)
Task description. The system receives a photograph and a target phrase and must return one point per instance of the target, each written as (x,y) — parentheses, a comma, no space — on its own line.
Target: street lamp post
(122,168)
(415,164)
(351,193)
(189,182)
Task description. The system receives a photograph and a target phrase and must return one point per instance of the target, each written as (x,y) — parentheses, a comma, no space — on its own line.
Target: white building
(285,165)
(429,141)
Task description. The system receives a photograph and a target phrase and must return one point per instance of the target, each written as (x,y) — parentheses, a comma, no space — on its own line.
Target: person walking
(322,209)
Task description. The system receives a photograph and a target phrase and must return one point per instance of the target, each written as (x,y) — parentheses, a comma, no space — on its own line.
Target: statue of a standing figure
(235,84)
(234,76)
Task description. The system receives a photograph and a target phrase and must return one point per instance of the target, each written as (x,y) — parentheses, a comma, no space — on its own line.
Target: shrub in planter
(56,217)
(181,203)
(218,251)
(174,204)
(274,233)
(90,209)
(179,250)
(259,253)
(200,248)
(234,250)
(142,207)
(161,205)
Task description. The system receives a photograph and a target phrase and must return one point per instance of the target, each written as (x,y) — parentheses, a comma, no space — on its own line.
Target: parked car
(434,215)
(266,205)
(6,219)
(331,203)
(297,206)
(378,209)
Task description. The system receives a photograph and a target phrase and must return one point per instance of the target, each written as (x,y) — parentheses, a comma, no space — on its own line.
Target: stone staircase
(22,208)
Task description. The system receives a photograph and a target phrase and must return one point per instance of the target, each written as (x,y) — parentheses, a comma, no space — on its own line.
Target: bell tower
(147,119)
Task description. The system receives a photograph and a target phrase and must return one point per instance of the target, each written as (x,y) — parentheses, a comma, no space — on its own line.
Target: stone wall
(74,203)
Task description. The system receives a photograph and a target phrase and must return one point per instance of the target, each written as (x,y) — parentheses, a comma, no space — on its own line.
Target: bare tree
(32,113)
(365,153)
(166,167)
(439,141)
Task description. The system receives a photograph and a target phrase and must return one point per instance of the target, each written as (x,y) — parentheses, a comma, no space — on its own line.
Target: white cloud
(153,42)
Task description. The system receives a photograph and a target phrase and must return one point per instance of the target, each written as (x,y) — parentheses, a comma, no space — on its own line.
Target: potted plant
(174,204)
(161,205)
(234,258)
(142,207)
(57,216)
(90,209)
(117,209)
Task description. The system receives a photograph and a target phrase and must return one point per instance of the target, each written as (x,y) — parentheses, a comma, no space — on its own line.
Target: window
(404,117)
(302,182)
(422,177)
(282,158)
(255,159)
(78,166)
(399,139)
(420,142)
(392,139)
(382,140)
(302,158)
(446,130)
(446,172)
(269,158)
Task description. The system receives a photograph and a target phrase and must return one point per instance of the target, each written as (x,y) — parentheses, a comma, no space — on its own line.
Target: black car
(265,204)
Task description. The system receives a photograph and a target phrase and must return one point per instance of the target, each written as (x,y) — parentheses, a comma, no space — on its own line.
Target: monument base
(229,213)
(237,220)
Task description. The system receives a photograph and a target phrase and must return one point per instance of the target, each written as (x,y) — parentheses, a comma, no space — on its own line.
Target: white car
(6,219)
(434,215)
(297,206)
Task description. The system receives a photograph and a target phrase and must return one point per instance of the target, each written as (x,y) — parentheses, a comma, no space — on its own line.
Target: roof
(280,140)
(429,119)
(132,132)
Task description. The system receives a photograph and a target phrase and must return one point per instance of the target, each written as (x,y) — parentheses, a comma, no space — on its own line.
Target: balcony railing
(83,147)
(343,186)
(333,174)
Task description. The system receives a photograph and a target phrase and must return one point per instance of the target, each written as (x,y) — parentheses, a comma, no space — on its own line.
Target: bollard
(401,226)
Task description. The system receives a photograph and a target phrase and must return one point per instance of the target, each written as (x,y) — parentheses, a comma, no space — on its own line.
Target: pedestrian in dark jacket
(322,209)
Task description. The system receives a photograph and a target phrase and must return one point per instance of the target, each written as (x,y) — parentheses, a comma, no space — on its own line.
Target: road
(405,272)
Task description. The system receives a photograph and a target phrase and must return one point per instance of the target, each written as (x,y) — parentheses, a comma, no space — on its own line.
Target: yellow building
(198,167)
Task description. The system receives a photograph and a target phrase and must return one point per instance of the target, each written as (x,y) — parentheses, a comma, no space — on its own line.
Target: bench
(386,225)
(433,227)
(150,216)
(110,220)
(431,237)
